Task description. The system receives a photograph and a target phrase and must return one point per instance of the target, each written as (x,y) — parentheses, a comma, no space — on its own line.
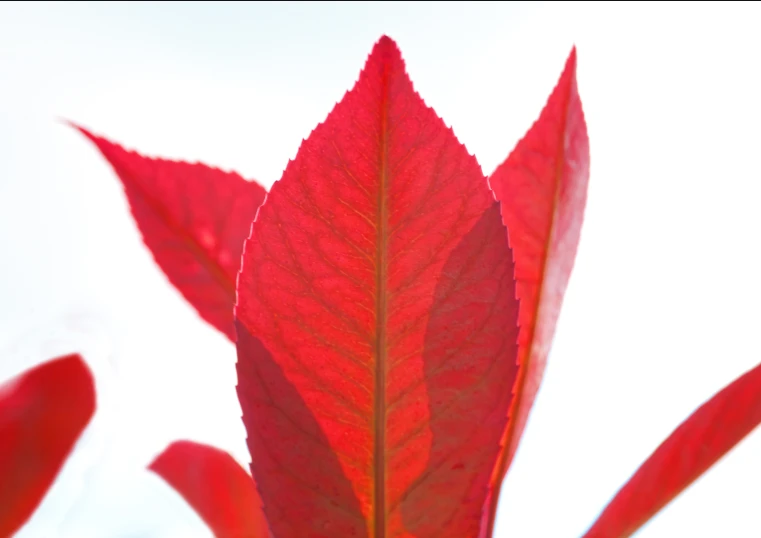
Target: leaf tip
(385,52)
(82,130)
(386,43)
(66,121)
(569,71)
(79,378)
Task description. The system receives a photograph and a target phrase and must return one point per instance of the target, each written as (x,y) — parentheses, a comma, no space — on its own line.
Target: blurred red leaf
(215,486)
(377,324)
(709,433)
(194,219)
(543,190)
(42,414)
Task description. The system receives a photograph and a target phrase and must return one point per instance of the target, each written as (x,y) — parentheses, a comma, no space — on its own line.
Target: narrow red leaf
(377,324)
(194,220)
(42,414)
(215,486)
(543,190)
(699,442)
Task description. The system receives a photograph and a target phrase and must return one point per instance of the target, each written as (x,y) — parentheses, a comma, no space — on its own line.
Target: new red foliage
(382,374)
(543,190)
(42,414)
(194,219)
(219,489)
(378,284)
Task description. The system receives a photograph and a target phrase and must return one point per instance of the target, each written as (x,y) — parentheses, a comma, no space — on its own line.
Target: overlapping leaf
(709,433)
(194,219)
(543,189)
(376,322)
(217,488)
(42,414)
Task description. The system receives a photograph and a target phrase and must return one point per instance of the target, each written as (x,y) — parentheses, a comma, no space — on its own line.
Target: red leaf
(299,475)
(215,486)
(698,443)
(377,324)
(543,190)
(194,219)
(42,414)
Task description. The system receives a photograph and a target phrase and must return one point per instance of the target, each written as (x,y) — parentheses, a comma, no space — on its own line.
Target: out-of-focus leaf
(42,414)
(215,486)
(709,433)
(194,219)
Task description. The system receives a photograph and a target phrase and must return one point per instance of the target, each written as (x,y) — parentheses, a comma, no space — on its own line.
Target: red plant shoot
(393,314)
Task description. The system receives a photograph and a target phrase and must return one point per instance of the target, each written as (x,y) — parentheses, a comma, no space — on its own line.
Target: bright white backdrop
(662,309)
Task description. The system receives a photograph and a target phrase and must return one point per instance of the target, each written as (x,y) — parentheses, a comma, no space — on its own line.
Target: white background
(663,305)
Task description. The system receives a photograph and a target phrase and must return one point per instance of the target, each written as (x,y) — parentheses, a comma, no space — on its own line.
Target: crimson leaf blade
(699,442)
(215,486)
(542,187)
(42,414)
(377,324)
(194,219)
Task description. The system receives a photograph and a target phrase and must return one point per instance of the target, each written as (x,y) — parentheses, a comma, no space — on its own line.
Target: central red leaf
(377,324)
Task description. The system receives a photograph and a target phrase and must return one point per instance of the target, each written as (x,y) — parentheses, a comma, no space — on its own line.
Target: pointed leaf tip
(385,50)
(387,42)
(215,486)
(67,122)
(194,219)
(571,61)
(43,412)
(92,137)
(542,187)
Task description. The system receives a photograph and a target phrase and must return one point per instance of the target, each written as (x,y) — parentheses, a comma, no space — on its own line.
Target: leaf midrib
(199,253)
(381,320)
